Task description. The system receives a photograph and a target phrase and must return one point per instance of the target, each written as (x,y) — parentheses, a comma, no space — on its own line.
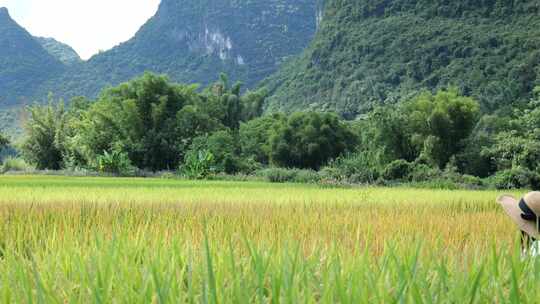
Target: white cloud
(87,25)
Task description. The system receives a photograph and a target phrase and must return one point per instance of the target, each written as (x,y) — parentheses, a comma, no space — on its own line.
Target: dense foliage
(309,140)
(431,127)
(45,141)
(443,136)
(3,142)
(151,124)
(377,51)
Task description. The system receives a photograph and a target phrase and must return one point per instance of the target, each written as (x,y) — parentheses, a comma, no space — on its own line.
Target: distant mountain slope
(373,51)
(24,63)
(59,50)
(194,41)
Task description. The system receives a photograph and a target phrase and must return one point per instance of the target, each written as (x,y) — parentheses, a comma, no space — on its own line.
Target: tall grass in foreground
(152,241)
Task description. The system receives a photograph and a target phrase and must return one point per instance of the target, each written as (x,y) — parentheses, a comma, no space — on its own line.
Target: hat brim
(511,206)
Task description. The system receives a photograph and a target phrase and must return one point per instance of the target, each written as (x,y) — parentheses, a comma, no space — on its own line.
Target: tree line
(153,124)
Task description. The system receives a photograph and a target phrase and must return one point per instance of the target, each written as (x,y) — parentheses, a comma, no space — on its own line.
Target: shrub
(361,167)
(198,164)
(282,175)
(116,163)
(397,170)
(14,164)
(223,147)
(167,175)
(423,172)
(516,178)
(307,177)
(472,182)
(278,175)
(248,166)
(236,177)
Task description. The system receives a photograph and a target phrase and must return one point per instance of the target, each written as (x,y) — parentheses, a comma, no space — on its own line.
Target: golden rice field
(99,240)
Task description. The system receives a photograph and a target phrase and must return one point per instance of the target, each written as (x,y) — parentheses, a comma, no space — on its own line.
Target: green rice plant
(127,240)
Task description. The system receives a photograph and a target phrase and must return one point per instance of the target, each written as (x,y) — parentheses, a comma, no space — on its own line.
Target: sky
(88,26)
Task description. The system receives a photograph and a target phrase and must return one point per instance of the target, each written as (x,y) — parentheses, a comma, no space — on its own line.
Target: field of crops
(97,240)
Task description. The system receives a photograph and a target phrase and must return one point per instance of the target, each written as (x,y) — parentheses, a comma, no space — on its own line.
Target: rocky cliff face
(190,40)
(193,41)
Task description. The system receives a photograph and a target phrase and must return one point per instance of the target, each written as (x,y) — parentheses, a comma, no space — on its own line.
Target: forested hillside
(364,53)
(24,63)
(195,41)
(378,51)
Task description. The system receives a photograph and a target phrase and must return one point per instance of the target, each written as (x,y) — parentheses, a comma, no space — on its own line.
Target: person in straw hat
(526,214)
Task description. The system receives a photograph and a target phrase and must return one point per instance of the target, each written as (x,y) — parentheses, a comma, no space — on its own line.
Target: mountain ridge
(194,42)
(61,51)
(24,63)
(380,51)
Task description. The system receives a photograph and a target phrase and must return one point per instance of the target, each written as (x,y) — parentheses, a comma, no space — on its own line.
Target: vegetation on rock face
(190,41)
(365,54)
(59,50)
(372,52)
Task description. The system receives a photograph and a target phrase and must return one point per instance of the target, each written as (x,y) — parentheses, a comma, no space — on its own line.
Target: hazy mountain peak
(24,63)
(4,15)
(59,50)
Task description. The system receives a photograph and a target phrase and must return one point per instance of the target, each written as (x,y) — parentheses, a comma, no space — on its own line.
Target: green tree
(224,149)
(44,144)
(475,159)
(518,145)
(155,121)
(438,124)
(310,140)
(4,142)
(140,118)
(230,106)
(429,127)
(255,136)
(192,122)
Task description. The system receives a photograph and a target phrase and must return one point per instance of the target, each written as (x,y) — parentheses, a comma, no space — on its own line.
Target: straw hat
(524,212)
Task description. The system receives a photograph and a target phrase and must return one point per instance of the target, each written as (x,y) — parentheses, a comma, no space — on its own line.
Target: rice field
(105,240)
